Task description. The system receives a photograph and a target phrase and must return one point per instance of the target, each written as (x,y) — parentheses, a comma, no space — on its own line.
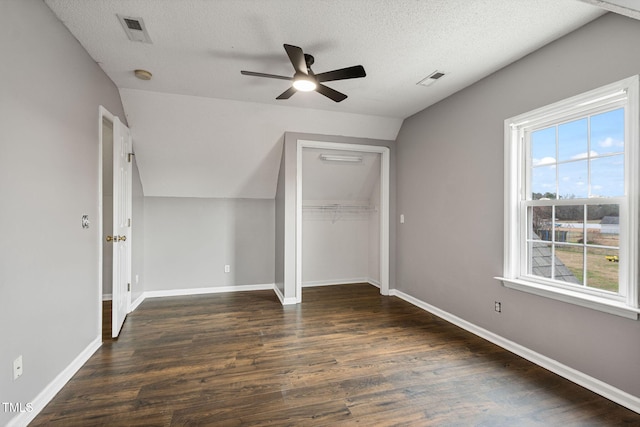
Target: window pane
(540,221)
(543,182)
(607,132)
(607,176)
(572,180)
(570,224)
(569,264)
(540,259)
(570,216)
(603,222)
(602,269)
(543,146)
(572,140)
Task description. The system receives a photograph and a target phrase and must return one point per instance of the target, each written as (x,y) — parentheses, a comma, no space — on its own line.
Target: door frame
(103,113)
(384,204)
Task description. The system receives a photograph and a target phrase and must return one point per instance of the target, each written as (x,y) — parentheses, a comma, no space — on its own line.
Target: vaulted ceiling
(202,129)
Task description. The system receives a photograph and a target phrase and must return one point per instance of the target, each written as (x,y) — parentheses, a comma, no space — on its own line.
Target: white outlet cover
(17,367)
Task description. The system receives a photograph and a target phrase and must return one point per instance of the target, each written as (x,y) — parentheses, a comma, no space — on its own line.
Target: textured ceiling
(199,48)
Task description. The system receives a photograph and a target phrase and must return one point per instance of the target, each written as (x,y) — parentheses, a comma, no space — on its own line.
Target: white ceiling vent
(431,78)
(135,29)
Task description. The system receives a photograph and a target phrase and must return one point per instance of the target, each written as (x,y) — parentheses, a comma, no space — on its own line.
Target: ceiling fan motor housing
(309,59)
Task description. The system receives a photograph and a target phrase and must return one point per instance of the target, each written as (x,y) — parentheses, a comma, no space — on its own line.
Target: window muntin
(564,162)
(578,245)
(571,200)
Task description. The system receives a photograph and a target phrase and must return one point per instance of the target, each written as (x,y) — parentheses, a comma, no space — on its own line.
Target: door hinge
(128,287)
(129,157)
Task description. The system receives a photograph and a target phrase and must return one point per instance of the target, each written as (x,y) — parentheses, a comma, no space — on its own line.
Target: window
(571,200)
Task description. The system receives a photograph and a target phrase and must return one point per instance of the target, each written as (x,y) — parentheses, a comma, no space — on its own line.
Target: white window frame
(626,94)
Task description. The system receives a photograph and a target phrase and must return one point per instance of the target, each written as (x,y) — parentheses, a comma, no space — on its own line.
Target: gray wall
(280,225)
(188,241)
(334,250)
(138,234)
(450,188)
(50,90)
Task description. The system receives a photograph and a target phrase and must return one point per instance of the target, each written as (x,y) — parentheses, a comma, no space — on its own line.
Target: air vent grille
(133,24)
(135,29)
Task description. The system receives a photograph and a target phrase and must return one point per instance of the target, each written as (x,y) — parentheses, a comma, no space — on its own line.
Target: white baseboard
(210,290)
(137,302)
(597,386)
(283,300)
(49,392)
(107,297)
(314,283)
(373,282)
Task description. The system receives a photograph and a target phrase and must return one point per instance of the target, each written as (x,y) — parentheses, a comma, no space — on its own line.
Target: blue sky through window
(565,161)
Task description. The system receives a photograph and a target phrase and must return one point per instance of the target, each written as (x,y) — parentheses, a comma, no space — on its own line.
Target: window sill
(577,298)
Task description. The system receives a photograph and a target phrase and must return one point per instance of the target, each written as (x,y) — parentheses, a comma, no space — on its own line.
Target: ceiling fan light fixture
(304,84)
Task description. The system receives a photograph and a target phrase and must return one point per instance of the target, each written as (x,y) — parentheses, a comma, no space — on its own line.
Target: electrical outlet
(17,367)
(498,307)
(227,268)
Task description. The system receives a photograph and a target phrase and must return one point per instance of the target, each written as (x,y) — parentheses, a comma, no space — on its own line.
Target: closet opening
(342,215)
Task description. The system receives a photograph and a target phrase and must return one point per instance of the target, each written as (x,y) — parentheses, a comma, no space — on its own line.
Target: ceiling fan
(305,80)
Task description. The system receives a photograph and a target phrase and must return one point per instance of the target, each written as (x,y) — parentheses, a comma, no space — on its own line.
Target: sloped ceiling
(338,181)
(630,8)
(208,147)
(202,129)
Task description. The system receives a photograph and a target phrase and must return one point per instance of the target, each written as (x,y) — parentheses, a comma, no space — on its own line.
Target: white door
(121,225)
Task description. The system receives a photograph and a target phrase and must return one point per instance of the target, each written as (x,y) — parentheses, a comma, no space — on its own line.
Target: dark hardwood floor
(346,356)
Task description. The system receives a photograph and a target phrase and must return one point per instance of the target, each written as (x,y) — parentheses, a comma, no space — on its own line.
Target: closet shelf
(331,207)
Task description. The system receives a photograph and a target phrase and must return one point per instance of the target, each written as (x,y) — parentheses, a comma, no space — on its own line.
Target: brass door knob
(111,239)
(122,238)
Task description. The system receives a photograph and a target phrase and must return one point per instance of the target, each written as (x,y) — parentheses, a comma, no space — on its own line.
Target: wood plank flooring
(345,356)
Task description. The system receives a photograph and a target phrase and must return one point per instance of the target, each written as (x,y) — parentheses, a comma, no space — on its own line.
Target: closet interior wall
(340,217)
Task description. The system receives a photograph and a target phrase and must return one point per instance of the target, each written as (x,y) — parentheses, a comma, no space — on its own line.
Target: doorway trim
(103,113)
(384,205)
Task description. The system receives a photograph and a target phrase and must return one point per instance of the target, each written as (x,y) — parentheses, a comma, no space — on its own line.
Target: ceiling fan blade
(331,93)
(342,74)
(296,56)
(287,93)
(271,76)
